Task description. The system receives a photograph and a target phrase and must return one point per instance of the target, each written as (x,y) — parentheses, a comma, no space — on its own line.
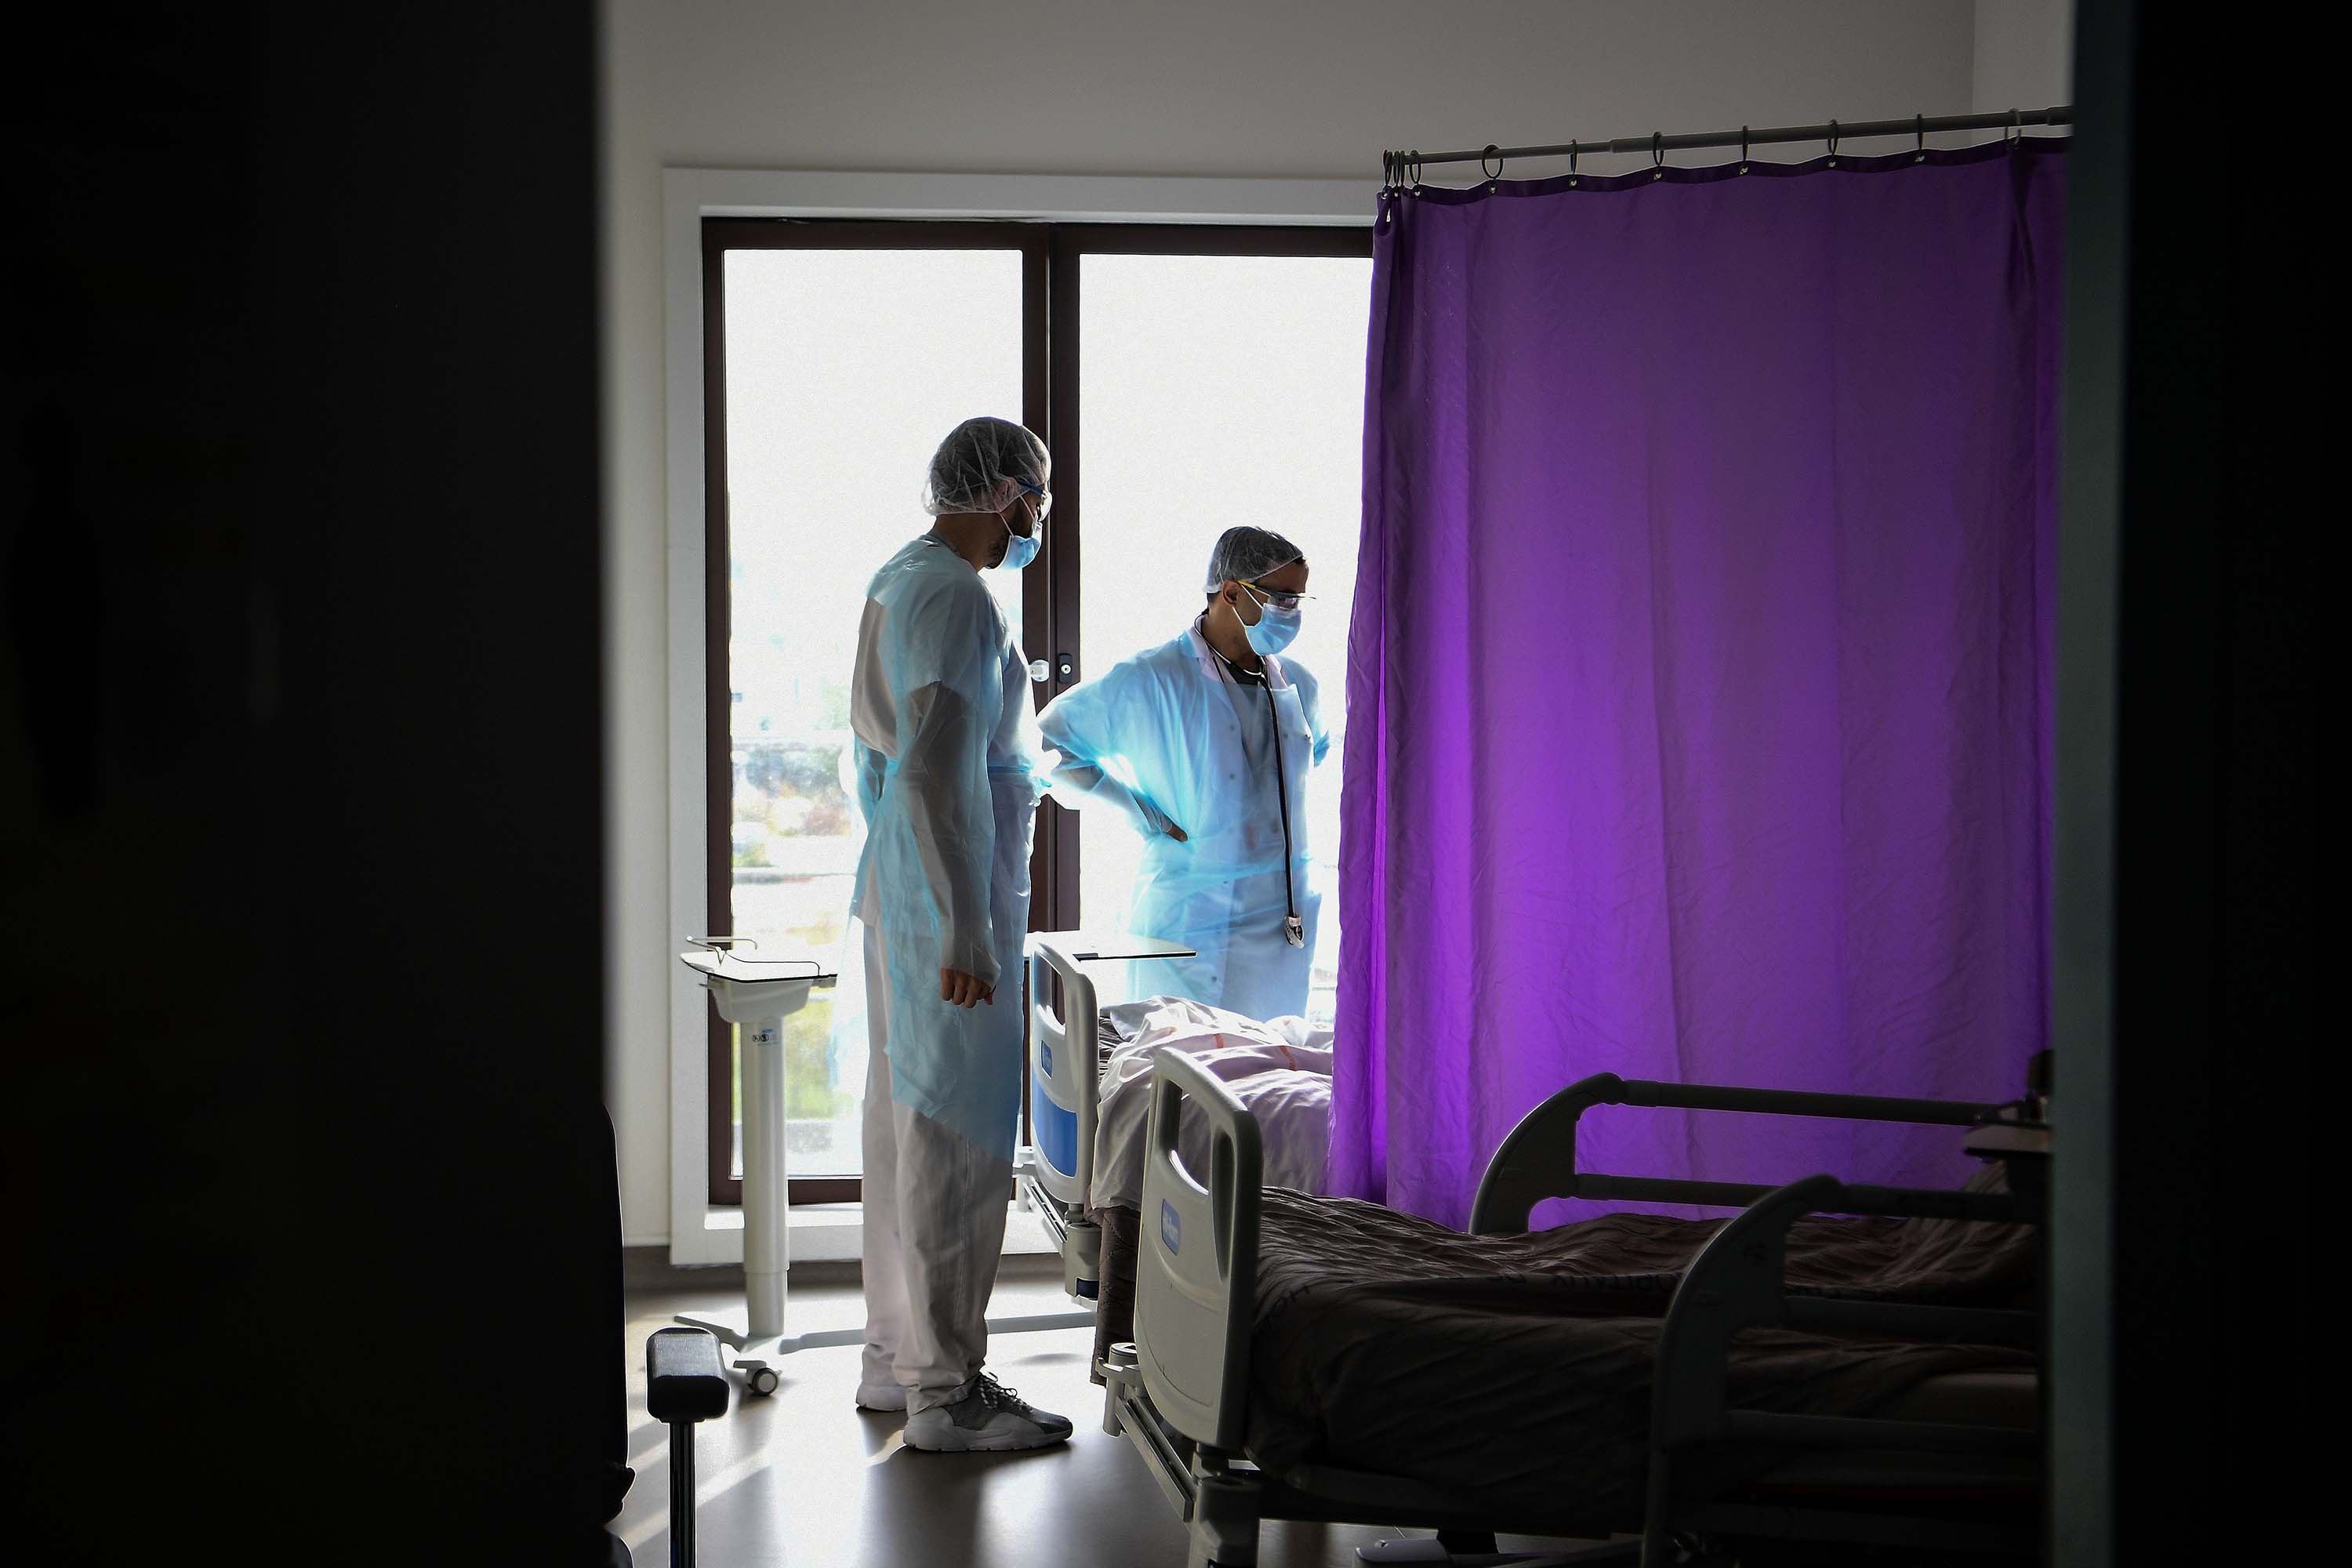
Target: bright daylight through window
(1215,390)
(1220,390)
(844,369)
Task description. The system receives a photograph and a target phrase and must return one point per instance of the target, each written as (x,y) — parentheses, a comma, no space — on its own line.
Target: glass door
(1213,389)
(839,362)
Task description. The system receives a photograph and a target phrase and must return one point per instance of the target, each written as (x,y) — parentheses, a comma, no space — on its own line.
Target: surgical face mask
(1275,629)
(1020,549)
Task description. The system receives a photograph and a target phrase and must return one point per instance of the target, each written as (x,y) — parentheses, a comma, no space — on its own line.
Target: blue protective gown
(1169,736)
(950,776)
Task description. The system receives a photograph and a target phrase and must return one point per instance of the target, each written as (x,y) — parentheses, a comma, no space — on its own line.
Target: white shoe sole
(957,1440)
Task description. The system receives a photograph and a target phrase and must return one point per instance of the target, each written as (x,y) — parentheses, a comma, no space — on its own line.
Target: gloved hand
(958,989)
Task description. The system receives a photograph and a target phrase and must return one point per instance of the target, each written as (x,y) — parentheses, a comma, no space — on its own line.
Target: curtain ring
(1919,135)
(1743,148)
(1658,154)
(1572,163)
(2016,131)
(1496,154)
(1834,141)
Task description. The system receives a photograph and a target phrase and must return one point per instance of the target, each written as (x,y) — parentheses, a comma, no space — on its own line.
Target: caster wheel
(762,1382)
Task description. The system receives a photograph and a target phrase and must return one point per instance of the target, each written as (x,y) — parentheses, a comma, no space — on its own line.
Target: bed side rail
(1062,1092)
(1738,1282)
(1537,1160)
(1196,1260)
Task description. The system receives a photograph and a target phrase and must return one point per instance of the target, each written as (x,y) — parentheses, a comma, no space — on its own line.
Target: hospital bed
(1705,1447)
(1083,1169)
(1056,1168)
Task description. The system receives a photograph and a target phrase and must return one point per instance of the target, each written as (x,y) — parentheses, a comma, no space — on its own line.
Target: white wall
(2024,55)
(1231,88)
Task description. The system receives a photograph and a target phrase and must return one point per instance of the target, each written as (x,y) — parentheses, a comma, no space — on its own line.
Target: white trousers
(934,1229)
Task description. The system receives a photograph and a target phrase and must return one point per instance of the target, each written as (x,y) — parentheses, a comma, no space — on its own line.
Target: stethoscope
(1294,930)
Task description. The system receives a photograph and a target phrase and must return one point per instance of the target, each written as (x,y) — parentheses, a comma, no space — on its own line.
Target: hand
(958,989)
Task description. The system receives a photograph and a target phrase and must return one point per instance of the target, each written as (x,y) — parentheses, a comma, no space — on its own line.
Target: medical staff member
(1204,745)
(950,776)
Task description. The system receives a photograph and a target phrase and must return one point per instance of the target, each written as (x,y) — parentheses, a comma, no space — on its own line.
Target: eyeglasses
(1045,501)
(1276,597)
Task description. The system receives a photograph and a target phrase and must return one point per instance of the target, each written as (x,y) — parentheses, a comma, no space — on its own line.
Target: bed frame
(1055,1169)
(1180,1392)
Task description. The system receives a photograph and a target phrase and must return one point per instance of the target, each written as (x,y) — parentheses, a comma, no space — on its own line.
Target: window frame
(1053,255)
(1071,244)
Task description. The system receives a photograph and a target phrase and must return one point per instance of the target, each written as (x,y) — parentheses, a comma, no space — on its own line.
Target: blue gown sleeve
(949,691)
(1084,726)
(865,782)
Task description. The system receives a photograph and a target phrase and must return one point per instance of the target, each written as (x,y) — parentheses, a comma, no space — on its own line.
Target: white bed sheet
(1278,1068)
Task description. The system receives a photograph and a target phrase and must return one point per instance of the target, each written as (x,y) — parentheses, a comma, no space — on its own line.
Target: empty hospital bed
(1083,1168)
(1778,1376)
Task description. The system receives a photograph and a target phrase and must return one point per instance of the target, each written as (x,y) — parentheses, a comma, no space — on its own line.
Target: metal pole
(681,1494)
(1921,125)
(764,1193)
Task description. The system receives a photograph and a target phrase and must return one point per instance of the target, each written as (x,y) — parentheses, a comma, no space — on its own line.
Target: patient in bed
(1278,1068)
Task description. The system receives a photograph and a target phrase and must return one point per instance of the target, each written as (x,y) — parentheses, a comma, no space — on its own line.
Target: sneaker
(990,1417)
(881,1396)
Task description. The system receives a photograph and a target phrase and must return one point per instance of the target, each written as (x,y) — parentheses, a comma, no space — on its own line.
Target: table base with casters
(758,994)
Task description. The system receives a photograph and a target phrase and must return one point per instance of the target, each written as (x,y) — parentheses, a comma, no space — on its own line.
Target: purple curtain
(1699,680)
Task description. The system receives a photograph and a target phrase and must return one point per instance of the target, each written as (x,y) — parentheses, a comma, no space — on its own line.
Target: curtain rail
(1658,144)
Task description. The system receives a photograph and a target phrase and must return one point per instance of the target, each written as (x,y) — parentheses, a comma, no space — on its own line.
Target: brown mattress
(1519,1369)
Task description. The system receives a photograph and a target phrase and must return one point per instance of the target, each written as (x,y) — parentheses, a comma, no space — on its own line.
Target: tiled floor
(803,1478)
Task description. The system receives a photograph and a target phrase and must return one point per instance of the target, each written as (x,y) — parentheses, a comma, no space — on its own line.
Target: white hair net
(1244,554)
(982,465)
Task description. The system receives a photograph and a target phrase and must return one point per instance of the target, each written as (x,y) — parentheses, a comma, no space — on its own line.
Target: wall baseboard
(647,1270)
